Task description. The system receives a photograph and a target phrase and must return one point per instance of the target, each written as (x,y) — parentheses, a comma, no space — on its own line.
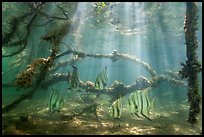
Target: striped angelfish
(74,82)
(101,80)
(115,109)
(139,103)
(55,101)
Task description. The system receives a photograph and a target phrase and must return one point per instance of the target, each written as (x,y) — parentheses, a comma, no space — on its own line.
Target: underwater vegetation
(101,68)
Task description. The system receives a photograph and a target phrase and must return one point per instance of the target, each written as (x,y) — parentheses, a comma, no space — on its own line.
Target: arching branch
(114,57)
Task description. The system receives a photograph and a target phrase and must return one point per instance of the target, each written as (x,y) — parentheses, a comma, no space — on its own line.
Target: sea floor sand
(29,119)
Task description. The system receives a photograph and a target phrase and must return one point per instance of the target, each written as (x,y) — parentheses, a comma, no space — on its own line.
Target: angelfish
(139,103)
(115,109)
(74,81)
(55,101)
(101,80)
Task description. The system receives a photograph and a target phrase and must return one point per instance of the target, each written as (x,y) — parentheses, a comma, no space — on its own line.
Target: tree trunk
(192,66)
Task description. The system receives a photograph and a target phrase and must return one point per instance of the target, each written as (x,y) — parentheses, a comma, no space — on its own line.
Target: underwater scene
(101,68)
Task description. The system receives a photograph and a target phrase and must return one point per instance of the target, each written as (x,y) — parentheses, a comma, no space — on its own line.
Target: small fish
(55,101)
(139,103)
(101,80)
(115,109)
(74,82)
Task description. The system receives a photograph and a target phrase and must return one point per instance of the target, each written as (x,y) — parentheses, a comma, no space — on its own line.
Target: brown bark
(192,66)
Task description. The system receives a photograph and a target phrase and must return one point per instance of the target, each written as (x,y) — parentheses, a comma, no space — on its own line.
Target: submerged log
(114,57)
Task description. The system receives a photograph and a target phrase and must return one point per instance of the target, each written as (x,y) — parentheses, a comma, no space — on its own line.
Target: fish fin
(136,114)
(146,117)
(50,99)
(152,104)
(146,90)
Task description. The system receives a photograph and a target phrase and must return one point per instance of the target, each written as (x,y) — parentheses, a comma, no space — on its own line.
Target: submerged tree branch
(29,73)
(117,87)
(24,41)
(28,94)
(114,57)
(114,91)
(65,63)
(15,22)
(50,17)
(35,9)
(14,27)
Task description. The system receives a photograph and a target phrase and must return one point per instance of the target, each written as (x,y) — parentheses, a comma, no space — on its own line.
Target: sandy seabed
(29,119)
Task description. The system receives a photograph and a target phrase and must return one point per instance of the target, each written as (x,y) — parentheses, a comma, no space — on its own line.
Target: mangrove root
(192,66)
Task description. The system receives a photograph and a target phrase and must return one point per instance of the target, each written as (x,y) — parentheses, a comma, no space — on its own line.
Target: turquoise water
(143,34)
